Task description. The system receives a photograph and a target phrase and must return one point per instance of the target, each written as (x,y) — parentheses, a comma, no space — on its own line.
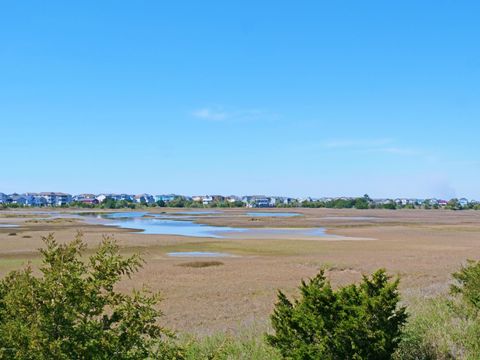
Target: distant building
(56,198)
(165,198)
(257,201)
(233,198)
(144,199)
(93,201)
(463,202)
(207,200)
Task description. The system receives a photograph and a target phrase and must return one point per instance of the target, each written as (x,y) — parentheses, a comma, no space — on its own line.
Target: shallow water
(8,226)
(165,224)
(198,254)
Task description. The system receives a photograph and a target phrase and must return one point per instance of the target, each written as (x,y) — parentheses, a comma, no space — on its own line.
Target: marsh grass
(249,344)
(441,329)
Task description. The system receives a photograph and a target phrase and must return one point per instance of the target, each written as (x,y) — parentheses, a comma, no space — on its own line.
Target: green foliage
(354,322)
(72,311)
(468,283)
(453,204)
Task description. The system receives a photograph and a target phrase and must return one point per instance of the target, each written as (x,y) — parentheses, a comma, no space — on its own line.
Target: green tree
(453,204)
(354,322)
(468,283)
(73,311)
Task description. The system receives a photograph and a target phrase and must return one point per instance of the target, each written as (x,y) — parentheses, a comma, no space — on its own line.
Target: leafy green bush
(468,283)
(354,322)
(72,311)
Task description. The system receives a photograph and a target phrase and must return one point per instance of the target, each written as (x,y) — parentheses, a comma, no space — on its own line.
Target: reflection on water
(165,224)
(159,224)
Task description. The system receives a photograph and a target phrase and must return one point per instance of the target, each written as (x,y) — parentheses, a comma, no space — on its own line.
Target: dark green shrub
(354,322)
(468,283)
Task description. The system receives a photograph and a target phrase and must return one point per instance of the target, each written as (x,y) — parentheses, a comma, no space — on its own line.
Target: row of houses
(62,199)
(463,202)
(251,201)
(37,199)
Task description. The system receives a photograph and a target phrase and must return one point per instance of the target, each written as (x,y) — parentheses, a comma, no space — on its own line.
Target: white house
(102,197)
(463,202)
(144,198)
(207,199)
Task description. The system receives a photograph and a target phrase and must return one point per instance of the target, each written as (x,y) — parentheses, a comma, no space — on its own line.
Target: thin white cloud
(398,151)
(219,113)
(379,145)
(210,114)
(359,143)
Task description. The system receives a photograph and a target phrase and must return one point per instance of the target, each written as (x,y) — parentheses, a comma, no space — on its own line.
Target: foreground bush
(72,311)
(354,322)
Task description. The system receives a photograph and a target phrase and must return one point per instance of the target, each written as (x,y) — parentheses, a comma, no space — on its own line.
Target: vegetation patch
(201,264)
(52,221)
(12,234)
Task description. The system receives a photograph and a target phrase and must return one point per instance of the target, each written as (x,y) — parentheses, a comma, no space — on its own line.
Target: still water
(165,224)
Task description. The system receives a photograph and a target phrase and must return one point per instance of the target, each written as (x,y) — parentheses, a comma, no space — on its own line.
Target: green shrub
(354,322)
(72,311)
(468,283)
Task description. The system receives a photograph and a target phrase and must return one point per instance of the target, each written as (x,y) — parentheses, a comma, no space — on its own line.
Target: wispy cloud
(359,143)
(219,113)
(210,114)
(379,145)
(397,150)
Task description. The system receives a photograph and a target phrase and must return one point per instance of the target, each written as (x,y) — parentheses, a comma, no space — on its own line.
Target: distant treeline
(364,202)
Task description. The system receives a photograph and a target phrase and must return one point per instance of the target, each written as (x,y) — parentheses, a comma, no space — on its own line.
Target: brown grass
(423,247)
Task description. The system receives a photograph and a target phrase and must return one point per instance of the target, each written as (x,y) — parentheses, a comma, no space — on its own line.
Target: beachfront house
(102,197)
(144,199)
(207,199)
(233,198)
(56,198)
(165,198)
(463,202)
(257,201)
(89,201)
(17,199)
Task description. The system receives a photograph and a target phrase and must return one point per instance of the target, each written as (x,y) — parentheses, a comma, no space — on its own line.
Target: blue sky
(295,98)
